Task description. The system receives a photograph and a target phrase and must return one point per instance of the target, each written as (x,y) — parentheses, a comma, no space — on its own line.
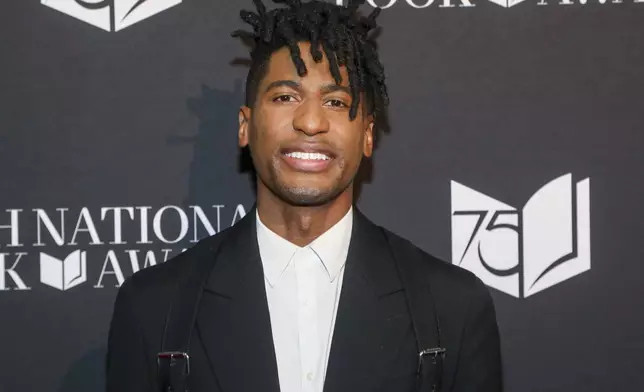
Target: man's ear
(244,124)
(367,149)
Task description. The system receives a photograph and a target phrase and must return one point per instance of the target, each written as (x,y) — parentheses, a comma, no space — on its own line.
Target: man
(305,293)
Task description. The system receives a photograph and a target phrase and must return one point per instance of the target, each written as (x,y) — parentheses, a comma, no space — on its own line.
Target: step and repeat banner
(516,151)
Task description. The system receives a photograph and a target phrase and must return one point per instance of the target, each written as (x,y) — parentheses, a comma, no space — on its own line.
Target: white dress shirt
(303,290)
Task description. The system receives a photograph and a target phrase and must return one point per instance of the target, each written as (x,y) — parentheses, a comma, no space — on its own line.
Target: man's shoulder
(456,291)
(443,275)
(160,280)
(145,296)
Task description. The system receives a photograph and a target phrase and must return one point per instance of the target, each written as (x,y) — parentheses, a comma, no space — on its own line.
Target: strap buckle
(436,356)
(431,352)
(173,369)
(174,358)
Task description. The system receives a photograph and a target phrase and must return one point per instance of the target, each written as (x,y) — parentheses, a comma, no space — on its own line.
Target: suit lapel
(372,314)
(233,322)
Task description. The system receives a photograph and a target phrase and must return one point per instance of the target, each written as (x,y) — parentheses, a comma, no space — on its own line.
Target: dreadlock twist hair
(341,33)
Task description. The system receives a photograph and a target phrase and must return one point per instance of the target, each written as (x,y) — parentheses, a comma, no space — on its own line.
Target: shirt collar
(331,248)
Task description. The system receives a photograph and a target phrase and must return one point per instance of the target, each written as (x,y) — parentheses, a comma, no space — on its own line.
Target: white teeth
(308,155)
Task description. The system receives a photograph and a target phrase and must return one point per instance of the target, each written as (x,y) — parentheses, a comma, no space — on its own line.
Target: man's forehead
(282,67)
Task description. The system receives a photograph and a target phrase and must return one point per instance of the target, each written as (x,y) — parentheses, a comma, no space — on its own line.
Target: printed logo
(63,274)
(507,3)
(103,245)
(441,4)
(110,15)
(522,252)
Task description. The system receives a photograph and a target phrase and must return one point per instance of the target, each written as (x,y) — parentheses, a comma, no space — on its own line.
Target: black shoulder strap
(173,362)
(424,316)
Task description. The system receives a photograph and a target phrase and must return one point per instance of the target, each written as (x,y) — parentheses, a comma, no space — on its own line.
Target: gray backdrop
(122,145)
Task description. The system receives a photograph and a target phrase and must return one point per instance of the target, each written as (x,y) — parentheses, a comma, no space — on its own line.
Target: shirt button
(309,376)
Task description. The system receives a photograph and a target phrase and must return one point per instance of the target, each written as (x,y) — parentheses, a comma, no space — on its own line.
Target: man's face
(304,146)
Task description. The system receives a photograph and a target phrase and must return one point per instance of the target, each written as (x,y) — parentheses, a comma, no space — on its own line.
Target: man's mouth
(307,161)
(315,156)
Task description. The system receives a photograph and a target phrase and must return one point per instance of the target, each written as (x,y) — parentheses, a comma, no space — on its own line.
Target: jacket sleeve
(479,366)
(128,367)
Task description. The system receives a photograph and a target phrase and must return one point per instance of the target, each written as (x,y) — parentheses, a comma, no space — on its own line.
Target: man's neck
(297,224)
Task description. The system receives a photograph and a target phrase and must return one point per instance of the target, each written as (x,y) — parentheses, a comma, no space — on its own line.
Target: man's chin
(307,197)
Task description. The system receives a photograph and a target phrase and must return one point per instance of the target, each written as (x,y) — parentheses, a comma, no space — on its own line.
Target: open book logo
(507,3)
(522,252)
(63,274)
(110,15)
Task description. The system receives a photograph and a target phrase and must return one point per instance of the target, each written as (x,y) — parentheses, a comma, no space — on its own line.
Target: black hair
(340,31)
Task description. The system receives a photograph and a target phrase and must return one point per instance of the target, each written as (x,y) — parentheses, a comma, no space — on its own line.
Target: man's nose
(311,118)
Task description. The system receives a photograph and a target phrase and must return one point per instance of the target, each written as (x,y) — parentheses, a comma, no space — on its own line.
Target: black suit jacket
(373,347)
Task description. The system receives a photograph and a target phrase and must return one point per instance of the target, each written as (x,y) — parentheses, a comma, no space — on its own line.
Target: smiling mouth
(308,162)
(309,156)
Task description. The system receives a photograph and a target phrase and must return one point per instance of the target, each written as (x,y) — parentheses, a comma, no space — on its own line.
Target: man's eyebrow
(283,83)
(331,88)
(326,89)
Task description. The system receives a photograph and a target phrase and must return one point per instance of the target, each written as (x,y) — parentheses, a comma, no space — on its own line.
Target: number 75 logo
(522,252)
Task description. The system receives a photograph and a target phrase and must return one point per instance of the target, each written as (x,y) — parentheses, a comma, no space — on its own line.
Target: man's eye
(283,98)
(337,103)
